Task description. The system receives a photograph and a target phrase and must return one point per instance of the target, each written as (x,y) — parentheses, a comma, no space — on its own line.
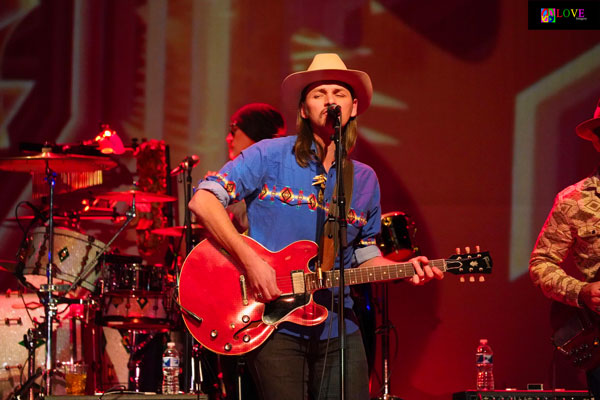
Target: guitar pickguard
(276,310)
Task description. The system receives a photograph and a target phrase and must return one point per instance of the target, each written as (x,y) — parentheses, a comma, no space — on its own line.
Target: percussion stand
(385,344)
(131,213)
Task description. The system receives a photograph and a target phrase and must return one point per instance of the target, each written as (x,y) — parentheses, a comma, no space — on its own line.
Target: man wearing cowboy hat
(573,227)
(288,184)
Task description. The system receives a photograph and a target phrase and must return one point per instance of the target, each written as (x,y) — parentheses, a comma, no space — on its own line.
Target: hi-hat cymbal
(140,197)
(56,162)
(177,231)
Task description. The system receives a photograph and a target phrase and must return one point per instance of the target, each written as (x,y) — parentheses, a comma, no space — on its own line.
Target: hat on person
(259,121)
(589,129)
(327,67)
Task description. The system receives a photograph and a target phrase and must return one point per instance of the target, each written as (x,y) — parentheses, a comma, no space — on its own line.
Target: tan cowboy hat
(586,128)
(327,67)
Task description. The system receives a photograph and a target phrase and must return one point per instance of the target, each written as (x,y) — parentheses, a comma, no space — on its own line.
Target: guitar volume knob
(214,333)
(246,338)
(227,346)
(245,319)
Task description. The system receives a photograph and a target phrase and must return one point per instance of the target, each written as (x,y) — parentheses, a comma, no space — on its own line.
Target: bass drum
(396,237)
(17,311)
(72,253)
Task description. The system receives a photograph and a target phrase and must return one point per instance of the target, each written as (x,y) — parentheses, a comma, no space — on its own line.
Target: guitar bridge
(298,282)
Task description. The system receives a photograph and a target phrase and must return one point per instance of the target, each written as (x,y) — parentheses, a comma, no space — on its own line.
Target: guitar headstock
(468,263)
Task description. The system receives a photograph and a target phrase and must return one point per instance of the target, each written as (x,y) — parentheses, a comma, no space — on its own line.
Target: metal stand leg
(385,345)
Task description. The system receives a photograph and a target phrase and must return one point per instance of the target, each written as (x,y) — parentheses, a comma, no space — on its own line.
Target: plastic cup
(75,378)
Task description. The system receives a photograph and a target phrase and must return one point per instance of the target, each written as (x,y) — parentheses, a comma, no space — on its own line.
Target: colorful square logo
(548,15)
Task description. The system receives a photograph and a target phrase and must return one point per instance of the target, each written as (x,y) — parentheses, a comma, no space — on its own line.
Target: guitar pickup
(298,285)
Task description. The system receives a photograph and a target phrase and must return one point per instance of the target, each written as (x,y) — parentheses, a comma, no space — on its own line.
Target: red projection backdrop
(471,132)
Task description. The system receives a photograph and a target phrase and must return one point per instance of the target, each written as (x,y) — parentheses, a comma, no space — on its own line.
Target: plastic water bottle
(485,366)
(170,370)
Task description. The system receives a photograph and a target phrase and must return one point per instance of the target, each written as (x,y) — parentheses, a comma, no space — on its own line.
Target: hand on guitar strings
(263,280)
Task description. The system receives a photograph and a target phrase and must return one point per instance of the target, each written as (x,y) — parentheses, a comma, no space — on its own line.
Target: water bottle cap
(483,341)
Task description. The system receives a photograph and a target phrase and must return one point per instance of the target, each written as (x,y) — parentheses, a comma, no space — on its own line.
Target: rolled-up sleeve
(216,189)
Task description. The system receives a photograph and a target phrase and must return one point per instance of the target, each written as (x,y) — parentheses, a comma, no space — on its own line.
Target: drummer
(250,124)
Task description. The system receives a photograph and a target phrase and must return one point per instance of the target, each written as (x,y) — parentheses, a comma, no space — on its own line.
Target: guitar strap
(328,246)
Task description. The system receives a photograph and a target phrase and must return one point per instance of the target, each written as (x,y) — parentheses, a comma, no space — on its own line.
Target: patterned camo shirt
(573,225)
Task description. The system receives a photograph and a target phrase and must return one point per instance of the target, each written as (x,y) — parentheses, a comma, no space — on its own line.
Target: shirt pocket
(589,232)
(589,236)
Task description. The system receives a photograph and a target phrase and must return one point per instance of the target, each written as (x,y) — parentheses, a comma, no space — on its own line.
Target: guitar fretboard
(379,273)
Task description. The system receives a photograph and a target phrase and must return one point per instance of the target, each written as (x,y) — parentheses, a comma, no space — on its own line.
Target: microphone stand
(190,352)
(342,243)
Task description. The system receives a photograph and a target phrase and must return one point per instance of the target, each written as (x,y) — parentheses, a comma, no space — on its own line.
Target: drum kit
(61,266)
(64,268)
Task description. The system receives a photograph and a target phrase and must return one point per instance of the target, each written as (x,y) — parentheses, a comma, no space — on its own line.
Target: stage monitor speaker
(523,395)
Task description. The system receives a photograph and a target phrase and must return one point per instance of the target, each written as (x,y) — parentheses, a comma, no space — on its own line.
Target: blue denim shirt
(282,208)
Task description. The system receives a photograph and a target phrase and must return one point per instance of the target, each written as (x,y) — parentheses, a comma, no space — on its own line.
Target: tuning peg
(482,278)
(467,249)
(471,278)
(477,249)
(462,279)
(458,250)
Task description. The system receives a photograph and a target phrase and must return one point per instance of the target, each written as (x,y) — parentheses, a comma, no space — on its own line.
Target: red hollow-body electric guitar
(222,313)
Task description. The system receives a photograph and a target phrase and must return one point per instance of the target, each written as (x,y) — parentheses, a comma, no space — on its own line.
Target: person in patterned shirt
(573,227)
(288,184)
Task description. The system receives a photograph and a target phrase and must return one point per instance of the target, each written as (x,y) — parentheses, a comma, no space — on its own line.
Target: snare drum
(134,277)
(72,253)
(135,297)
(395,239)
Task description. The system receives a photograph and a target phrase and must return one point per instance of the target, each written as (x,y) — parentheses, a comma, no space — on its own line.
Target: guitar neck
(379,273)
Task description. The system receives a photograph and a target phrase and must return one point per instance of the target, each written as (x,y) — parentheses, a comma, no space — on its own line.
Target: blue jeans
(291,368)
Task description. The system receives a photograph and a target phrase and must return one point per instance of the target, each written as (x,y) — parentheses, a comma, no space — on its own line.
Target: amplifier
(523,395)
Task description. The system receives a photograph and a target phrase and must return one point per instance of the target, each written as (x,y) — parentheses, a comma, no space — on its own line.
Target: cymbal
(56,162)
(140,197)
(177,231)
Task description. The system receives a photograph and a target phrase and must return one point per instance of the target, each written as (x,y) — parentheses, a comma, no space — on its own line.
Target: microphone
(188,163)
(334,110)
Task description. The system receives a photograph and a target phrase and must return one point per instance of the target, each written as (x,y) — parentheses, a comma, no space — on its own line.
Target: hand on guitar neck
(590,296)
(423,271)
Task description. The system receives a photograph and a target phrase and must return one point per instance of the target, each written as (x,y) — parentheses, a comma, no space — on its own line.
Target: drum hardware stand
(50,305)
(130,214)
(135,358)
(385,345)
(196,361)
